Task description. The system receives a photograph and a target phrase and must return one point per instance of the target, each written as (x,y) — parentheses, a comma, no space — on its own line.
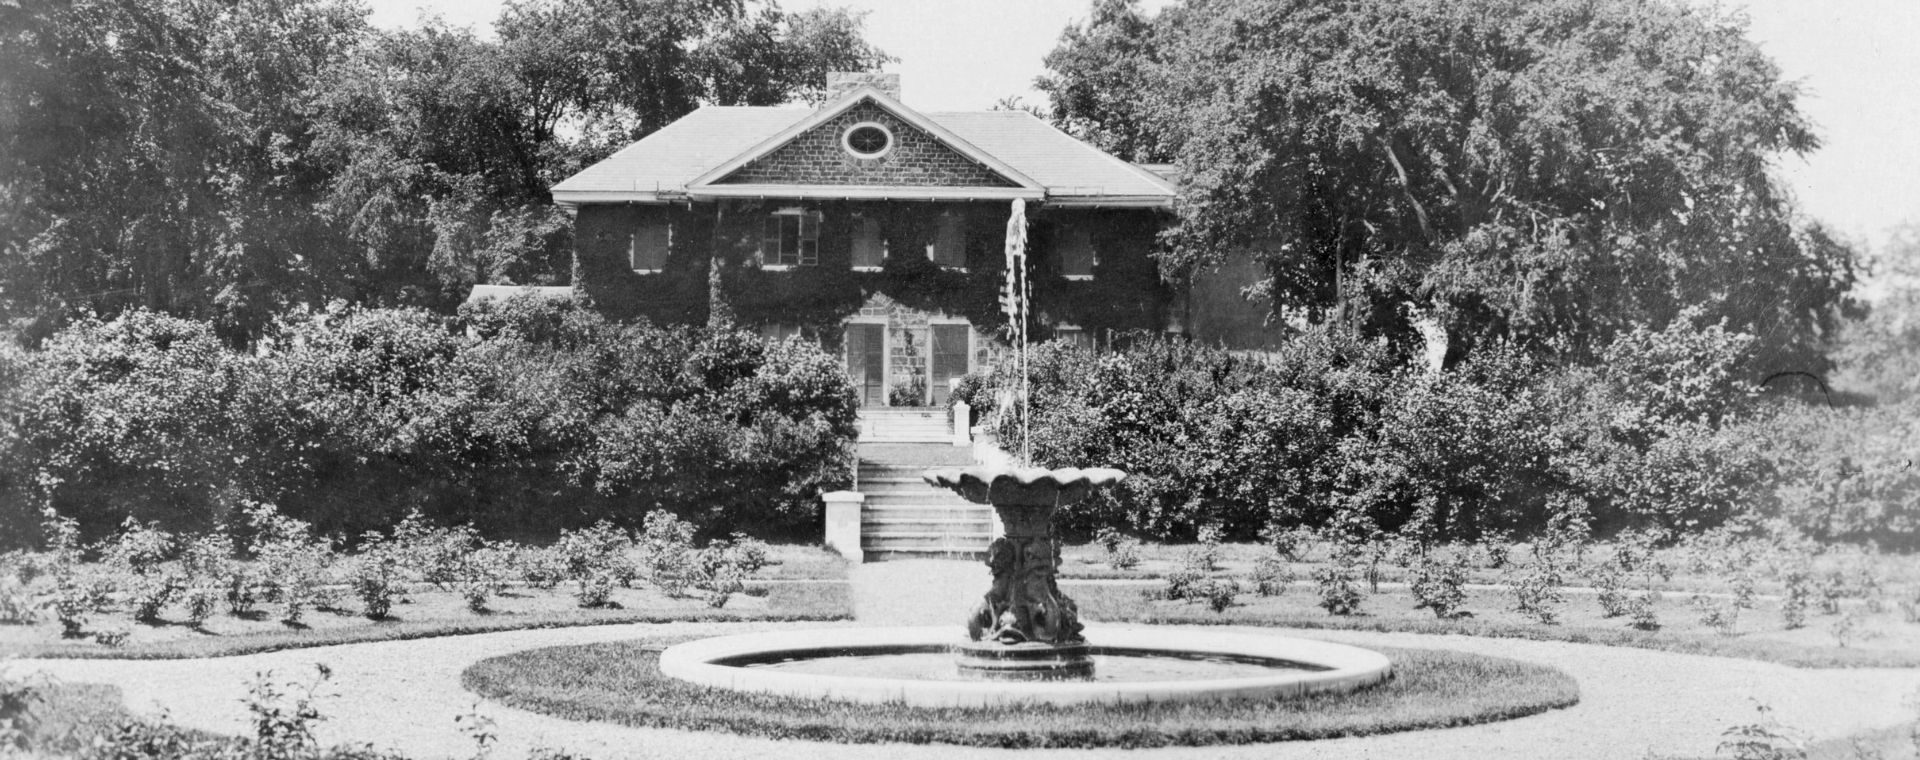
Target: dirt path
(405,695)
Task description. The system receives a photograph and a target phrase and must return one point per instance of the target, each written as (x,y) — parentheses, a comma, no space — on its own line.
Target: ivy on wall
(1125,293)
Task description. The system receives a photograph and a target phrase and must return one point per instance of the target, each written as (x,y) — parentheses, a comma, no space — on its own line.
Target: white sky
(1858,60)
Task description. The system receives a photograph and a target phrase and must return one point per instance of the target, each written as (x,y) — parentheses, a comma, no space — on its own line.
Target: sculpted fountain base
(1025,629)
(1028,661)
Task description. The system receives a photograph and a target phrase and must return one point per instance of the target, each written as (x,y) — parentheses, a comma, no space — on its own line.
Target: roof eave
(865,192)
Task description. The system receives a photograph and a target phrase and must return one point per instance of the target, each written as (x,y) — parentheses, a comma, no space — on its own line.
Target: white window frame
(933,245)
(633,248)
(846,140)
(882,234)
(806,230)
(1093,254)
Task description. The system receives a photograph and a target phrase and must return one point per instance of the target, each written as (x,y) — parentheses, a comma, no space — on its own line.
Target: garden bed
(432,613)
(1877,640)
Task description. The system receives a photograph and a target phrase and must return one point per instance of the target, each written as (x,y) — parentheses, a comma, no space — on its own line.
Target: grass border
(375,631)
(1779,653)
(620,682)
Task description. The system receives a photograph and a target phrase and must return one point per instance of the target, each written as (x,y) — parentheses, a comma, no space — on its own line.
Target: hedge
(523,418)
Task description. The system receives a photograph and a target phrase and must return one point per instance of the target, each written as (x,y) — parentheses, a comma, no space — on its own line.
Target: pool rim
(703,662)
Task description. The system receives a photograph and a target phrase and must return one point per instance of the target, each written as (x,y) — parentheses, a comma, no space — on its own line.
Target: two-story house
(876,229)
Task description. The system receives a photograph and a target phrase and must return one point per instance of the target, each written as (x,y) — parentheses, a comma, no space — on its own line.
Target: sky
(1858,62)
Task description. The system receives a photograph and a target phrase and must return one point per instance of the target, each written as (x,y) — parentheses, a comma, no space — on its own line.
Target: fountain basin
(723,662)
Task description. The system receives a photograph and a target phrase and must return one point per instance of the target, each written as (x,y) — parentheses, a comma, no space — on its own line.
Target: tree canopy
(227,160)
(1551,173)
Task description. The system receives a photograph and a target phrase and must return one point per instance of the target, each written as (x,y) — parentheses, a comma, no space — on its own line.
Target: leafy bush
(348,418)
(78,591)
(292,564)
(1272,576)
(140,558)
(1181,584)
(375,575)
(1218,593)
(1439,583)
(666,544)
(1339,595)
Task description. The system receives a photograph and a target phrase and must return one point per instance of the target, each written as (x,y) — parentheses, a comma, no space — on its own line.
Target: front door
(866,362)
(950,350)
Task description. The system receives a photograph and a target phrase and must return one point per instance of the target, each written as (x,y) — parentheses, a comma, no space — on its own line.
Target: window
(869,250)
(647,247)
(791,238)
(867,140)
(948,248)
(779,331)
(1074,336)
(1076,257)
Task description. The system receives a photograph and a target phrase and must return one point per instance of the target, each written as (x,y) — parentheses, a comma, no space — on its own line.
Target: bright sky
(1858,61)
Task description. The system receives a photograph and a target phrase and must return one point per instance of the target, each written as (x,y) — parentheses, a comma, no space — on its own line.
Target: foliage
(293,565)
(1339,595)
(1547,171)
(225,160)
(140,557)
(351,419)
(1439,582)
(1763,739)
(1272,576)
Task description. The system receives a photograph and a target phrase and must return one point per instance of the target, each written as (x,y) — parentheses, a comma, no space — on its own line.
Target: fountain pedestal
(1024,629)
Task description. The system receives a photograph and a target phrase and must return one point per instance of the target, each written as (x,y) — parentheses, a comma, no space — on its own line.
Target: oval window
(868,140)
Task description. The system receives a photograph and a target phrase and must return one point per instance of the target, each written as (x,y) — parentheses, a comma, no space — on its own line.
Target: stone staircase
(904,518)
(905,425)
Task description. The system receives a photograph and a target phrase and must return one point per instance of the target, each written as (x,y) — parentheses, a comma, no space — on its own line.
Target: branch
(1406,188)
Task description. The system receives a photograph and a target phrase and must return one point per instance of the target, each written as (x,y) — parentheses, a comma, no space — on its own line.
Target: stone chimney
(842,82)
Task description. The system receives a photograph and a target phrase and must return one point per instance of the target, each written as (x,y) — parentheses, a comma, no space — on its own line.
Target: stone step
(935,552)
(913,510)
(970,528)
(895,539)
(878,497)
(928,438)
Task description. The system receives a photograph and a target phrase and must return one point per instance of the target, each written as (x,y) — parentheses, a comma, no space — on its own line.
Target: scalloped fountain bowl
(1024,643)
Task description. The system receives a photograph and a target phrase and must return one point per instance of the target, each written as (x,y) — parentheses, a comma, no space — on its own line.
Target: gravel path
(405,695)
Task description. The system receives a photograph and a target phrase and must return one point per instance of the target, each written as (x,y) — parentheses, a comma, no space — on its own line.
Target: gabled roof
(687,158)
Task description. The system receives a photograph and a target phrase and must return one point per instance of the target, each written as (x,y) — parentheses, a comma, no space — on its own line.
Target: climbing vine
(1126,292)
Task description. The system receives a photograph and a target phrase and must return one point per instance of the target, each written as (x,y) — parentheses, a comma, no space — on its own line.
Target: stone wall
(817,158)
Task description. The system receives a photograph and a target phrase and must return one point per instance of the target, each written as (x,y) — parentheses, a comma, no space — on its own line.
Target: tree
(1547,172)
(230,160)
(1095,91)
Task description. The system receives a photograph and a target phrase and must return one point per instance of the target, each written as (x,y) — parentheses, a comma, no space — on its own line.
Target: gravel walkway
(405,695)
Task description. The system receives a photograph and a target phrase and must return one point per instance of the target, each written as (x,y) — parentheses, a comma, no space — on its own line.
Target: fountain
(1025,643)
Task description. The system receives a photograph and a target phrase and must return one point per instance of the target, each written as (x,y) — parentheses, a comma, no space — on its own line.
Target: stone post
(843,523)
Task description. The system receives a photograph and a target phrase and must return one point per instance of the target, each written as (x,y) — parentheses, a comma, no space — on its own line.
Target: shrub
(666,544)
(1718,614)
(1183,583)
(208,562)
(1126,557)
(1536,591)
(1218,593)
(139,558)
(483,575)
(435,554)
(1271,576)
(293,565)
(77,592)
(1764,739)
(375,576)
(541,567)
(1641,610)
(1799,591)
(601,549)
(1439,583)
(1339,595)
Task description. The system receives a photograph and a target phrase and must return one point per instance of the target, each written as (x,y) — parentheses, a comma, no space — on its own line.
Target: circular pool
(904,665)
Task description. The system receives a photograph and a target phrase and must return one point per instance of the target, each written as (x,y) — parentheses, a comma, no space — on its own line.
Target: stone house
(877,230)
